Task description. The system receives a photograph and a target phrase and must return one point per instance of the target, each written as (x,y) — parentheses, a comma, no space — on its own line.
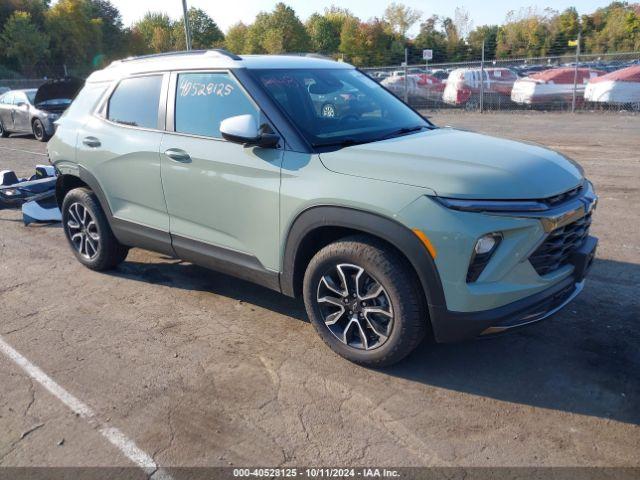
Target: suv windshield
(339,106)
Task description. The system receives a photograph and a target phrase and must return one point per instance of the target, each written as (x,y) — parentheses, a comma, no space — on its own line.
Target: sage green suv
(389,227)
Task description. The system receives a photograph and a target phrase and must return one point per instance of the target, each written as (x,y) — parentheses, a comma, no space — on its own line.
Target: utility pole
(575,75)
(187,28)
(482,80)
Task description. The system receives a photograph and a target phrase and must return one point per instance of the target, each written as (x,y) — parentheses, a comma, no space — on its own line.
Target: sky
(229,12)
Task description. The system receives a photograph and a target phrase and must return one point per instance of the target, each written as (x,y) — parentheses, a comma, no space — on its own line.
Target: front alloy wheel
(364,300)
(355,307)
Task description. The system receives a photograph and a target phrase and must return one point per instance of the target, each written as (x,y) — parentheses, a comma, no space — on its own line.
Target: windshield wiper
(403,131)
(345,142)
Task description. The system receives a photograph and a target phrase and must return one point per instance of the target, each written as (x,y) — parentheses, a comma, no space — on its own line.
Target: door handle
(91,142)
(178,155)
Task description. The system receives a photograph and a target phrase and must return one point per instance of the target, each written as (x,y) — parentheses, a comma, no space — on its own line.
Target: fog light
(485,244)
(482,252)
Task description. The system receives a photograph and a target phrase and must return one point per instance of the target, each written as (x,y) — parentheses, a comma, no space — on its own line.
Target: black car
(34,111)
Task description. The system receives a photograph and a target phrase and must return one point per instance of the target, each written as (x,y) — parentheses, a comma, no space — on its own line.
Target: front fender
(379,226)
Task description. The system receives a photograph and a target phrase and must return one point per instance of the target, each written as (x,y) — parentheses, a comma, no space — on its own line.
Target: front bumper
(452,326)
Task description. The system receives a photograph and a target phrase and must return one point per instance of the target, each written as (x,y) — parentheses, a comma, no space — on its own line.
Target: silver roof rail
(220,51)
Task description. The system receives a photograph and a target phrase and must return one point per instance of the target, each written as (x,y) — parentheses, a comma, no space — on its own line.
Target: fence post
(575,76)
(482,80)
(406,75)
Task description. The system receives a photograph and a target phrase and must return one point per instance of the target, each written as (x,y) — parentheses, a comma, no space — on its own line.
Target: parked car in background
(397,85)
(430,86)
(463,86)
(552,87)
(439,73)
(338,101)
(36,110)
(621,87)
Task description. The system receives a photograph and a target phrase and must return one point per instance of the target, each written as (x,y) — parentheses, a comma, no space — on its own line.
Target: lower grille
(555,252)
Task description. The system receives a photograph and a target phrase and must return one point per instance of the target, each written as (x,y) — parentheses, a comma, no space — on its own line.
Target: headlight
(483,250)
(492,205)
(53,116)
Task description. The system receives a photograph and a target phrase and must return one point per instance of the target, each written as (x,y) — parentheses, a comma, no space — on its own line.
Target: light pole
(187,28)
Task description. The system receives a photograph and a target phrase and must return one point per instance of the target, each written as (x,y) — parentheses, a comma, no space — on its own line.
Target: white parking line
(113,435)
(24,151)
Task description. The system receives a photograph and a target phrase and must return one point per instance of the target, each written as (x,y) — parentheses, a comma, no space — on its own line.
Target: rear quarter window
(86,101)
(135,102)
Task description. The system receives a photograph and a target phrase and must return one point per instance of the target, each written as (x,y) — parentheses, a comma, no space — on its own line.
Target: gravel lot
(203,370)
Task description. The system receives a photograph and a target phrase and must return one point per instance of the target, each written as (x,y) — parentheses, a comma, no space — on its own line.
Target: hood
(66,88)
(455,163)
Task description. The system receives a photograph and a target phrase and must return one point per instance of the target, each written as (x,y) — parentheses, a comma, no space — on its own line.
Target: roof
(204,59)
(629,74)
(564,75)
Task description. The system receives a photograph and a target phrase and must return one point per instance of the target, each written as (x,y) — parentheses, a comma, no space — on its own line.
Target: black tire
(38,131)
(3,132)
(386,268)
(108,253)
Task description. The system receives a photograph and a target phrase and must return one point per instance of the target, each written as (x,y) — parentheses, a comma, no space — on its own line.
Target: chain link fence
(19,83)
(560,83)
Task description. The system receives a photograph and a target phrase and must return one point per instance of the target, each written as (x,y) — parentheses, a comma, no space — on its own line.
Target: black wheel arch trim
(127,233)
(374,224)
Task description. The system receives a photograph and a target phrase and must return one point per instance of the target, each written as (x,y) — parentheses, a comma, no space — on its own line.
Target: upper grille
(563,197)
(556,250)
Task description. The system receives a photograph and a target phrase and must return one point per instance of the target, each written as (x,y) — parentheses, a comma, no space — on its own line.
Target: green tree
(349,39)
(204,31)
(23,42)
(156,31)
(612,28)
(324,33)
(76,36)
(430,37)
(401,18)
(277,32)
(236,38)
(525,34)
(35,8)
(486,33)
(111,29)
(376,42)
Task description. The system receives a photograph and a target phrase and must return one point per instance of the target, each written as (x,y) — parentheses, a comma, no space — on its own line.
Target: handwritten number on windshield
(197,89)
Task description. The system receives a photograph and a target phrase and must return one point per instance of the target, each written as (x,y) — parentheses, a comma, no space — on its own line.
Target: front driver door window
(218,193)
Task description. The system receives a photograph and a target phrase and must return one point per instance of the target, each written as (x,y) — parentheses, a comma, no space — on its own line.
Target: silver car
(35,110)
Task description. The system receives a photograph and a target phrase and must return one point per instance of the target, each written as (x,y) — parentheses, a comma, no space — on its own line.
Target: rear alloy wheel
(88,231)
(83,231)
(39,132)
(364,300)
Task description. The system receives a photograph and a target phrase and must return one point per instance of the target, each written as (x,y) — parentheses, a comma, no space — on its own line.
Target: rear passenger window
(203,100)
(135,102)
